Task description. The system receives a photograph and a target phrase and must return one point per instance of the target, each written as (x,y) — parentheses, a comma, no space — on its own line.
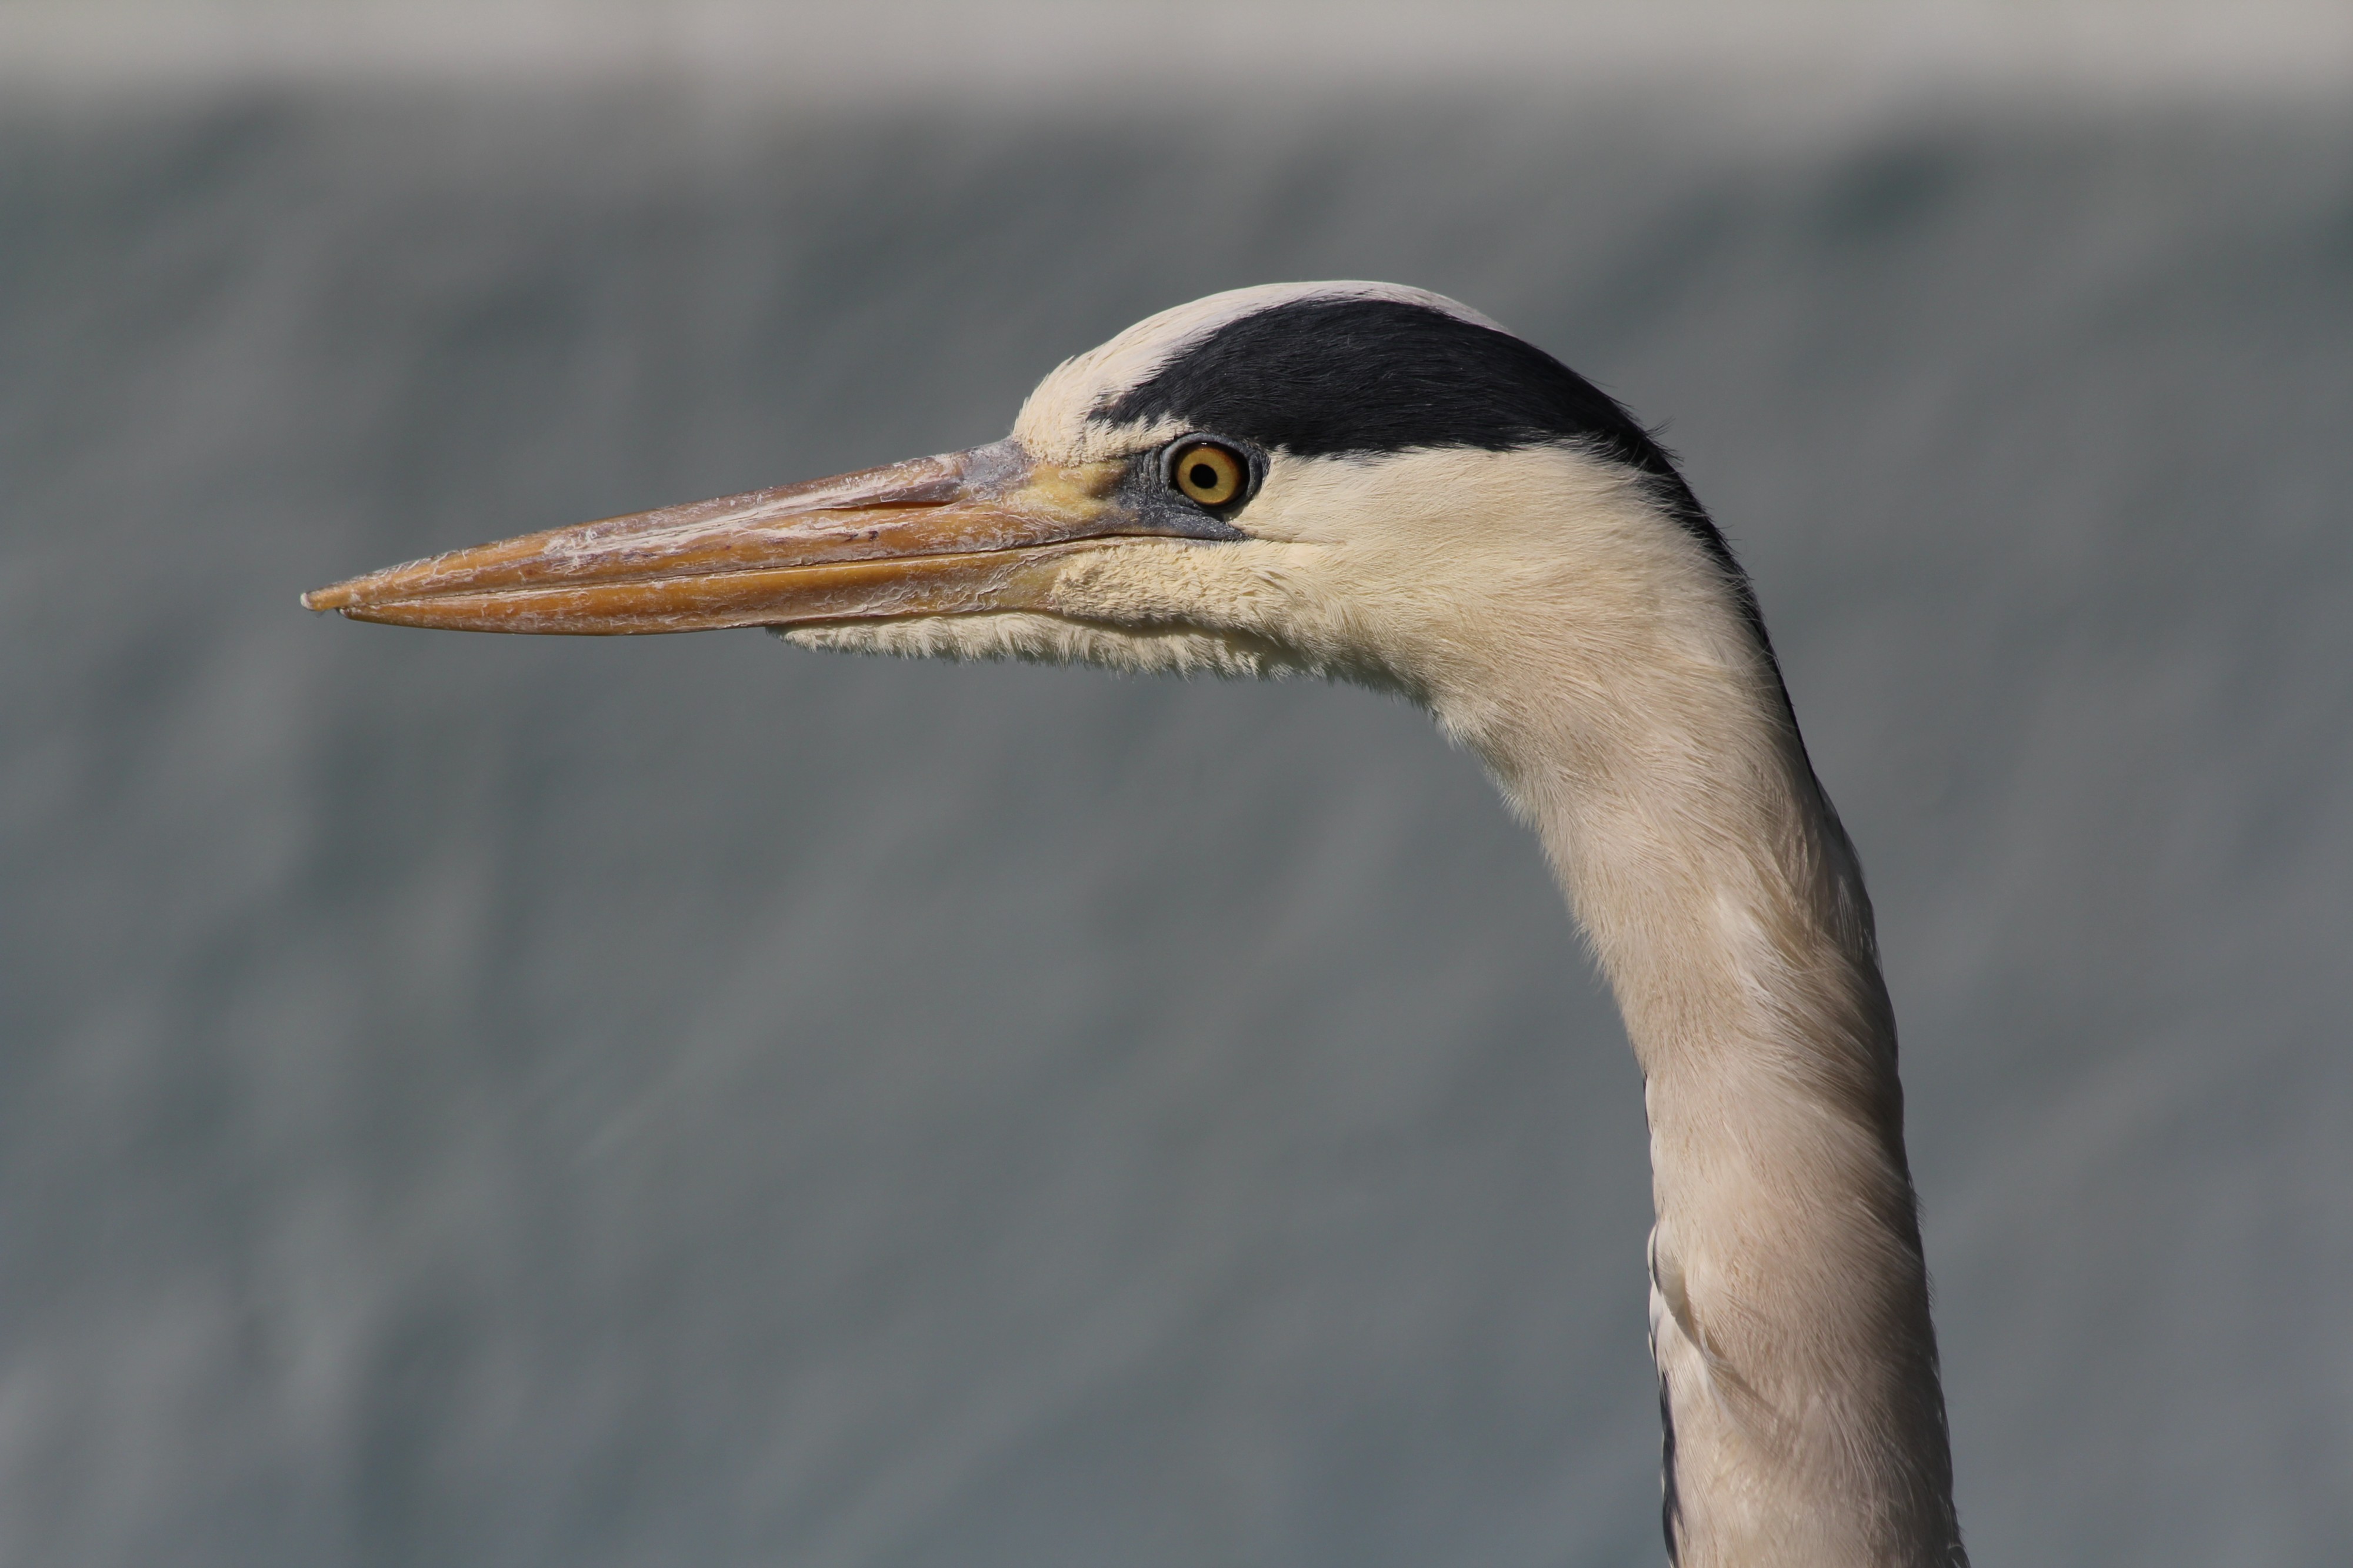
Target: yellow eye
(1209,474)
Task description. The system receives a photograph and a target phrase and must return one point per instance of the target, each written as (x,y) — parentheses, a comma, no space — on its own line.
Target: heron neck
(1789,1300)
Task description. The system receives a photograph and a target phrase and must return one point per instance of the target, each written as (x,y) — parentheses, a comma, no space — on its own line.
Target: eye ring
(1209,473)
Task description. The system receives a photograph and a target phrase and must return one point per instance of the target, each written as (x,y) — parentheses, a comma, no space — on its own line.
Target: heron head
(1354,479)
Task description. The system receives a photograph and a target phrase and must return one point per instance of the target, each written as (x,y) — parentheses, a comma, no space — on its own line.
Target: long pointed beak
(963,533)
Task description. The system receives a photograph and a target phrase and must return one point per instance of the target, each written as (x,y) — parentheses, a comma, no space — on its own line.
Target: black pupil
(1204,476)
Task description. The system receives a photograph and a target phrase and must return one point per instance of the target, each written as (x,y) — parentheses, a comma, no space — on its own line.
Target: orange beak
(964,533)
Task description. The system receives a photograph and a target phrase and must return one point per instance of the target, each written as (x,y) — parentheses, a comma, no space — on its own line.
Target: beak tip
(333,598)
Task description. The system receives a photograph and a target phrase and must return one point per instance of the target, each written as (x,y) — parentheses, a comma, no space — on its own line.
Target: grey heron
(1375,484)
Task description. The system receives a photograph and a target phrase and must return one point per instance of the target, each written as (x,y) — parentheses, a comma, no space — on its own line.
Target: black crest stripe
(1331,377)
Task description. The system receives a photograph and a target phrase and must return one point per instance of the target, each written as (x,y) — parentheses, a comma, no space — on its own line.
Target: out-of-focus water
(471,1101)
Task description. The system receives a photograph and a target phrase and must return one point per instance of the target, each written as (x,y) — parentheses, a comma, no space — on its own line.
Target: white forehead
(1053,422)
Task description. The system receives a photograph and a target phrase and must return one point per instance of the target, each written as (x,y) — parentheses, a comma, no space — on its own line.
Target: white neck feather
(1632,714)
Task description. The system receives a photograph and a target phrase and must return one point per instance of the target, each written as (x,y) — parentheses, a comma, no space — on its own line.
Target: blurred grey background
(485,1101)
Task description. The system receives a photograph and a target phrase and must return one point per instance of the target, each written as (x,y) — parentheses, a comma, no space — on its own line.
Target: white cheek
(1317,500)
